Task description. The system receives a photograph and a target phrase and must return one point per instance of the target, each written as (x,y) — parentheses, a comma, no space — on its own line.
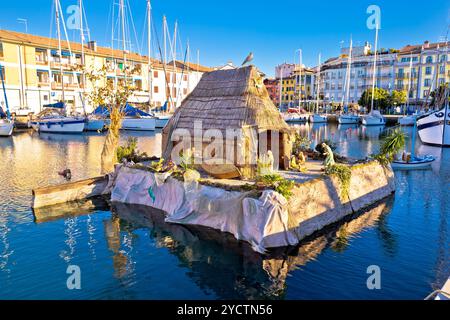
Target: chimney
(426,44)
(92,45)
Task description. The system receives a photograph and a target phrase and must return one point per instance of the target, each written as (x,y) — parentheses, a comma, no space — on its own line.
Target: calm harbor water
(127,252)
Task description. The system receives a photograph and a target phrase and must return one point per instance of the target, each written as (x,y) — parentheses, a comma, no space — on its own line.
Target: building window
(185,77)
(443,58)
(155,74)
(427,82)
(441,81)
(42,76)
(442,69)
(429,59)
(155,89)
(428,70)
(425,93)
(185,91)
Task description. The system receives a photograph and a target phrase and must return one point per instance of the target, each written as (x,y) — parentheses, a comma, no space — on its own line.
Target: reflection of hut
(227,100)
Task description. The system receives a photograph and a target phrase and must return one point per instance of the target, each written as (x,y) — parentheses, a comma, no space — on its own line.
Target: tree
(439,95)
(398,97)
(380,101)
(114,98)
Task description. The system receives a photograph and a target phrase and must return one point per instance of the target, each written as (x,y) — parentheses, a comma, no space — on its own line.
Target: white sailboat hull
(434,128)
(139,124)
(60,125)
(295,118)
(161,121)
(95,124)
(317,118)
(6,128)
(373,121)
(348,119)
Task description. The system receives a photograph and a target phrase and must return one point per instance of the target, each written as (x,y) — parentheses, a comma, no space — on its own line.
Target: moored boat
(6,123)
(416,162)
(161,120)
(407,121)
(373,119)
(6,127)
(318,118)
(95,124)
(348,119)
(295,118)
(434,128)
(59,125)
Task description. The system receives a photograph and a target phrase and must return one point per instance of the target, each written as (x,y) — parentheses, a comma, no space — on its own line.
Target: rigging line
(134,28)
(51,23)
(161,59)
(65,30)
(181,78)
(85,21)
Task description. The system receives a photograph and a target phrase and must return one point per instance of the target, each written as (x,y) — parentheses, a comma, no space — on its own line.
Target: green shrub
(278,183)
(129,151)
(392,144)
(344,174)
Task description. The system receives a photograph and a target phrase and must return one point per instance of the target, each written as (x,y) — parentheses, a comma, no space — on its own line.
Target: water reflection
(244,273)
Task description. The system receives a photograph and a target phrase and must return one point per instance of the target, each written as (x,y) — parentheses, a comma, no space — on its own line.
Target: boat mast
(318,88)
(300,80)
(150,75)
(83,75)
(124,46)
(60,49)
(8,114)
(166,85)
(409,82)
(174,57)
(281,86)
(374,68)
(349,70)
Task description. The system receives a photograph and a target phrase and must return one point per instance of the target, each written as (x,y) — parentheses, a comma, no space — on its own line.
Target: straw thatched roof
(229,99)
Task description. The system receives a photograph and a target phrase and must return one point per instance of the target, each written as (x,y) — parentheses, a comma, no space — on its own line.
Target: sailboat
(316,117)
(6,123)
(161,119)
(54,118)
(413,161)
(434,127)
(408,120)
(294,115)
(348,118)
(374,117)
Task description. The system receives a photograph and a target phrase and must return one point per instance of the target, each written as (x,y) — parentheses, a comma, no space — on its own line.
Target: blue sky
(273,30)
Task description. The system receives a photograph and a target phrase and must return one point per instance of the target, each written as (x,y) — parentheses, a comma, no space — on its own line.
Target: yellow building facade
(32,70)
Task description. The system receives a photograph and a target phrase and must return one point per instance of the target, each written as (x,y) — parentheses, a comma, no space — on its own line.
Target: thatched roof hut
(226,100)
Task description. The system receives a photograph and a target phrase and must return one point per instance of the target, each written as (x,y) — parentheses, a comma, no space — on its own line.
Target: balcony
(67,86)
(65,66)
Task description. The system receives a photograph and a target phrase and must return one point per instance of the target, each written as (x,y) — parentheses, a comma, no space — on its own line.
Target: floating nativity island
(268,201)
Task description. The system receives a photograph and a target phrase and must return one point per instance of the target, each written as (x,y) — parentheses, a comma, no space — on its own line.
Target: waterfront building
(33,78)
(273,88)
(297,83)
(430,68)
(333,74)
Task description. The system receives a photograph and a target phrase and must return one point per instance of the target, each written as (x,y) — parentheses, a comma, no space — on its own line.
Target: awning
(63,53)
